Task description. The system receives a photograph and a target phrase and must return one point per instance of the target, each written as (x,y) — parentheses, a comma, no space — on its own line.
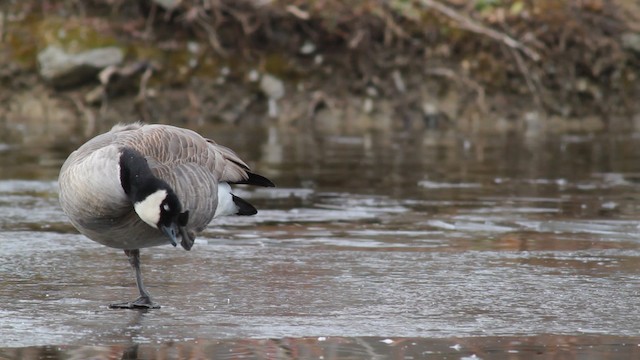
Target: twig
(144,79)
(212,36)
(148,25)
(90,125)
(245,22)
(471,25)
(534,89)
(449,73)
(297,12)
(3,21)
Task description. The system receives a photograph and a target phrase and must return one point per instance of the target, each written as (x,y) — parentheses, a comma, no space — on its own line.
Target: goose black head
(153,199)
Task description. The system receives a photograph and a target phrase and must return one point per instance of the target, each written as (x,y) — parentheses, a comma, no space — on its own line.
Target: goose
(142,185)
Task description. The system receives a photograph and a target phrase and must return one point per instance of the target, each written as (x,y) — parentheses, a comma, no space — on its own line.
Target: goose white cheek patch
(149,209)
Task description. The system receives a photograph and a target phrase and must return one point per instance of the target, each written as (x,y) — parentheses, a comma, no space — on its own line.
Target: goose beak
(171,232)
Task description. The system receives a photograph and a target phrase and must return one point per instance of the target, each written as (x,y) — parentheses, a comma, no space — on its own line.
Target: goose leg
(144,301)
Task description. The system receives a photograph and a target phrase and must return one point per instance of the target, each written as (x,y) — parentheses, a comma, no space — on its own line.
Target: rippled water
(395,247)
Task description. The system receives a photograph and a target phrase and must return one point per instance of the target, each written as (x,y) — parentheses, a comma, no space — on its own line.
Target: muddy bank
(475,67)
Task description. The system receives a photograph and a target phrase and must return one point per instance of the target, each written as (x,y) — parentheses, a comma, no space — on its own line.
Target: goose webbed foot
(143,302)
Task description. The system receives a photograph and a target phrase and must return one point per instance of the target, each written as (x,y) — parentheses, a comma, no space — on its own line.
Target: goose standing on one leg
(141,185)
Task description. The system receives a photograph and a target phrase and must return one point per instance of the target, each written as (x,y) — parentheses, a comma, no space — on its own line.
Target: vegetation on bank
(569,58)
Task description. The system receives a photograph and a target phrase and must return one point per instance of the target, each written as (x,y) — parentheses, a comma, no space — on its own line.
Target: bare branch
(467,23)
(461,79)
(534,89)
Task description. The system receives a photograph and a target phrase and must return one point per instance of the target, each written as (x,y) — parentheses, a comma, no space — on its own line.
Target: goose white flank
(138,186)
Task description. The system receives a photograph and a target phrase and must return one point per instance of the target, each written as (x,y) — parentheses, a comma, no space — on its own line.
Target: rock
(631,41)
(253,75)
(307,48)
(272,87)
(62,69)
(398,81)
(168,4)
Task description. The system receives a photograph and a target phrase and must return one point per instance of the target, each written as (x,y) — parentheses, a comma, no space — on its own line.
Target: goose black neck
(136,177)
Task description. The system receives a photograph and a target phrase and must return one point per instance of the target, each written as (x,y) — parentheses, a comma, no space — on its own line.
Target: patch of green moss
(26,37)
(20,41)
(74,34)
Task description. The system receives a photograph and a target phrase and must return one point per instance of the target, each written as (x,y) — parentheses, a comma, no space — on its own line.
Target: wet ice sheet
(351,266)
(219,290)
(513,255)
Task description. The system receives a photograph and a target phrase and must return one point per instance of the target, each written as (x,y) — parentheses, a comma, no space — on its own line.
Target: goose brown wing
(225,164)
(165,145)
(196,188)
(192,165)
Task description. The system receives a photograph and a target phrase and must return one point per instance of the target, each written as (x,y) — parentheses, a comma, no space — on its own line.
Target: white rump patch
(149,209)
(226,206)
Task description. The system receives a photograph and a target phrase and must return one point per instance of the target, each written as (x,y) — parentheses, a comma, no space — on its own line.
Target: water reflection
(337,348)
(368,238)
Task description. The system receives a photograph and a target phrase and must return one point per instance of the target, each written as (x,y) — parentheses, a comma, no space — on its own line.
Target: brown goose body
(141,185)
(92,196)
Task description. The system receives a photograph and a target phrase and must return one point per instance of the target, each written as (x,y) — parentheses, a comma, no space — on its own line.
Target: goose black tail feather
(258,180)
(244,208)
